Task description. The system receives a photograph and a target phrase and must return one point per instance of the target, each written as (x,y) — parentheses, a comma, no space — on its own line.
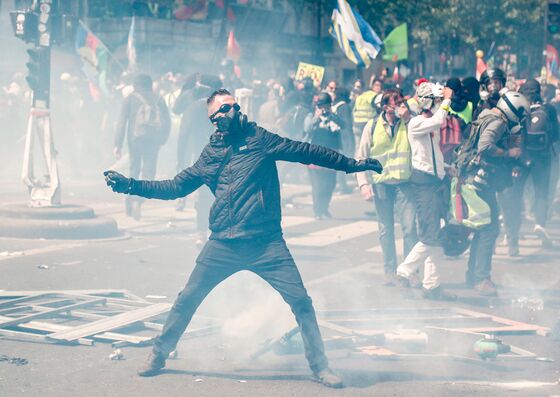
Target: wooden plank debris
(83,316)
(113,322)
(47,313)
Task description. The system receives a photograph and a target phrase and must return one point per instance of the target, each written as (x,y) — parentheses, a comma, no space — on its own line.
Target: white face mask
(426,103)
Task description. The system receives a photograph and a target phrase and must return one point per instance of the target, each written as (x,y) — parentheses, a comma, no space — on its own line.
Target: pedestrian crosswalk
(300,231)
(333,235)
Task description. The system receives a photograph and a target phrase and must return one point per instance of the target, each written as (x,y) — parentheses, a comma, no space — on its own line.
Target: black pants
(511,199)
(323,182)
(267,257)
(484,241)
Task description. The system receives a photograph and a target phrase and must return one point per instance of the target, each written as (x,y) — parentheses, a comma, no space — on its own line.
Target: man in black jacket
(239,167)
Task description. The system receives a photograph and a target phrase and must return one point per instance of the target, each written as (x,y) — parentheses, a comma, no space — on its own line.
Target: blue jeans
(387,198)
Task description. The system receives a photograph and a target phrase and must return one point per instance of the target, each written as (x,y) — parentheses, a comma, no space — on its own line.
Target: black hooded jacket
(242,175)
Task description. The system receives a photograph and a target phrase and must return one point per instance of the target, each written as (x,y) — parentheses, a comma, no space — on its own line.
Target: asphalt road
(340,262)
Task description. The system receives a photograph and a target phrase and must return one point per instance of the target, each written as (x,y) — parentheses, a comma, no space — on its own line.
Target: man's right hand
(117,182)
(447,93)
(366,165)
(367,192)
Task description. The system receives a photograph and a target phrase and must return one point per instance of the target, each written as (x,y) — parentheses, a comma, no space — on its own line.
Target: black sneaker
(328,378)
(153,365)
(486,288)
(402,282)
(438,294)
(389,279)
(513,250)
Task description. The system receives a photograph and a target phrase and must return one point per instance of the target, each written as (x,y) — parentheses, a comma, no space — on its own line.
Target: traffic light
(553,16)
(38,73)
(25,25)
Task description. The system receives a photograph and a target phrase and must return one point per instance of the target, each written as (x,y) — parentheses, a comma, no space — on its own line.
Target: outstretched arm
(184,183)
(285,149)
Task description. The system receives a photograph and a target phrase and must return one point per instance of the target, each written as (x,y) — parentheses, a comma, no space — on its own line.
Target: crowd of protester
(424,136)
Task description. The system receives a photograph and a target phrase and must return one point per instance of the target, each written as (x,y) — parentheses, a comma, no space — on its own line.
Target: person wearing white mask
(428,172)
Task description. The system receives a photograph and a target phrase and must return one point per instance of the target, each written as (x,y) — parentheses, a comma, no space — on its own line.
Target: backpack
(294,120)
(466,154)
(537,137)
(450,136)
(147,121)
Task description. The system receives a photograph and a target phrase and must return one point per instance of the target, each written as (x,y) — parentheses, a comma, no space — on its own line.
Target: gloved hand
(367,165)
(117,182)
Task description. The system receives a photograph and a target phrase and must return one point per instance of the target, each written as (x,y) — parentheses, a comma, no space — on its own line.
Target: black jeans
(323,182)
(511,199)
(484,241)
(267,257)
(389,199)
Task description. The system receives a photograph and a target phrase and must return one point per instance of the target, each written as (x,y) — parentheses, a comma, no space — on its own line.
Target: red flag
(233,49)
(396,75)
(480,67)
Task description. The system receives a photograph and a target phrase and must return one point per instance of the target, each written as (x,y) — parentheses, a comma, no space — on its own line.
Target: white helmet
(514,106)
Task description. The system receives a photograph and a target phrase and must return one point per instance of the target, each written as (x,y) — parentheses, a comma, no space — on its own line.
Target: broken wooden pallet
(83,316)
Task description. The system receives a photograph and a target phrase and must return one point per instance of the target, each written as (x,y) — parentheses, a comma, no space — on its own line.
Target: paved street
(340,261)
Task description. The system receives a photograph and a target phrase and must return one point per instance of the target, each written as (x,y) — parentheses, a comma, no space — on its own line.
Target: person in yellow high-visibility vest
(364,108)
(385,139)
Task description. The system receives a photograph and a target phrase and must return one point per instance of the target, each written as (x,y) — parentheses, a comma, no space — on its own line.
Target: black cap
(324,99)
(532,90)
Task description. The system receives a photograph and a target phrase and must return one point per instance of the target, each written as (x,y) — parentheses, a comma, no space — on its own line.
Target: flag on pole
(396,75)
(131,48)
(552,59)
(233,50)
(354,35)
(94,55)
(396,44)
(480,64)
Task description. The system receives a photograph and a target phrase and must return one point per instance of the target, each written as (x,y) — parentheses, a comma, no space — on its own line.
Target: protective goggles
(225,108)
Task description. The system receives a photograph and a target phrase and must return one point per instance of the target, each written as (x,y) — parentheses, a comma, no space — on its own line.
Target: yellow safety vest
(392,153)
(363,108)
(465,114)
(477,211)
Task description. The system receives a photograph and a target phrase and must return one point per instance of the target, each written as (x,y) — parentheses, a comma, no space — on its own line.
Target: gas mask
(516,128)
(391,110)
(230,119)
(493,91)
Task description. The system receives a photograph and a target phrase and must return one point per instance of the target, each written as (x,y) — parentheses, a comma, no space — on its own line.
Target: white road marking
(377,249)
(292,221)
(45,250)
(148,247)
(365,268)
(522,384)
(71,263)
(337,234)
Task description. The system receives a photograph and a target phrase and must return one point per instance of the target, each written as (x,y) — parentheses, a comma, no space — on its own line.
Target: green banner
(396,44)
